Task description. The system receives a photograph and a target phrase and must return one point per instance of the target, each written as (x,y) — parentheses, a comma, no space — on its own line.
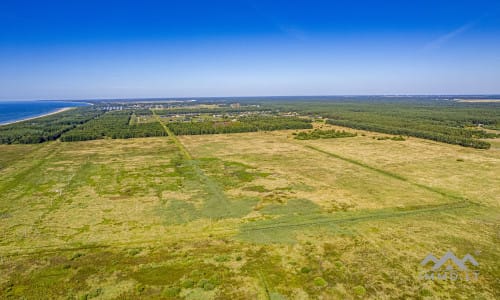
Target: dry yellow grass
(462,171)
(136,219)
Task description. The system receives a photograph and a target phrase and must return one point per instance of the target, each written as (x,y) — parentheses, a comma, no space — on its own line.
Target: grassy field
(257,215)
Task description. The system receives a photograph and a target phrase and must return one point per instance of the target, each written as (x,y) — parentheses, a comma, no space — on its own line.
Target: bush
(171,291)
(221,258)
(359,290)
(425,293)
(188,284)
(323,134)
(398,138)
(208,286)
(319,281)
(95,293)
(140,288)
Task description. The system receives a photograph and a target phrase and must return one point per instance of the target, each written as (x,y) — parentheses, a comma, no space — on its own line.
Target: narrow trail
(216,199)
(40,156)
(320,219)
(263,281)
(174,138)
(225,231)
(387,173)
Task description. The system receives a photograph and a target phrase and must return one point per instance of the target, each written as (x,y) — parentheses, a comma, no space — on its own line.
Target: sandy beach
(39,116)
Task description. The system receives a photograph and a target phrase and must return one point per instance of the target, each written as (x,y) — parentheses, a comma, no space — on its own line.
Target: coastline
(60,110)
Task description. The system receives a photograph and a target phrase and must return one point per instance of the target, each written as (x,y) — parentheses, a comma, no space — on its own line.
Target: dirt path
(178,143)
(388,174)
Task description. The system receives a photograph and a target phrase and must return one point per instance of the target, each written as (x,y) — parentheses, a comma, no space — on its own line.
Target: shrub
(188,284)
(323,134)
(425,293)
(171,291)
(359,290)
(319,281)
(208,286)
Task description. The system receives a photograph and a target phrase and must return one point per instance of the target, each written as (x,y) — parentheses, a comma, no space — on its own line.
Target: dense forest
(440,120)
(444,121)
(115,125)
(46,128)
(463,137)
(204,110)
(243,124)
(323,134)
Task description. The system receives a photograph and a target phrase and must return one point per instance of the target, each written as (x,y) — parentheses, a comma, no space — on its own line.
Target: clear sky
(111,49)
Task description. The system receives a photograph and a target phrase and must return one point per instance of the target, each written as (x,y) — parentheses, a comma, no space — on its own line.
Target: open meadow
(250,150)
(257,215)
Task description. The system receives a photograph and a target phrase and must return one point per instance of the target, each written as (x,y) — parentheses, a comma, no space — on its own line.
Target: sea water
(19,110)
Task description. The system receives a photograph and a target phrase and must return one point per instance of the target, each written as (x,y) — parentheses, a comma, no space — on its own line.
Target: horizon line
(259,96)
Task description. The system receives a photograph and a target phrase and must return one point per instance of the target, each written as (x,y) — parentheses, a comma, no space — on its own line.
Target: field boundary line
(174,138)
(51,149)
(387,173)
(373,216)
(188,235)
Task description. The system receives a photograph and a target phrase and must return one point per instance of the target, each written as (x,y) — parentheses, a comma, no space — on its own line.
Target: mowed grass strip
(387,173)
(340,218)
(285,224)
(169,132)
(216,204)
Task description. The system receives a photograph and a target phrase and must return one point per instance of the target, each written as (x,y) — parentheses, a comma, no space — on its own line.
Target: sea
(11,111)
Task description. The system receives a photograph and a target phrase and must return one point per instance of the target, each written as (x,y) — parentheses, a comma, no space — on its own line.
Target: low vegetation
(392,138)
(323,134)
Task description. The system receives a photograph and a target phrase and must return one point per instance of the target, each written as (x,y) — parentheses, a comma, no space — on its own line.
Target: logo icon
(449,256)
(449,267)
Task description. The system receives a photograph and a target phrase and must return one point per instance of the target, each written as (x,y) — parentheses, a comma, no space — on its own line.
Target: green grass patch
(323,134)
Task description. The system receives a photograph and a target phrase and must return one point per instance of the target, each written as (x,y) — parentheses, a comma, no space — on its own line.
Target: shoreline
(60,110)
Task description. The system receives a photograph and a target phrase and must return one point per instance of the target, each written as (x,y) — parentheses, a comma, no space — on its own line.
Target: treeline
(46,128)
(115,125)
(323,134)
(243,124)
(206,110)
(143,112)
(439,120)
(450,136)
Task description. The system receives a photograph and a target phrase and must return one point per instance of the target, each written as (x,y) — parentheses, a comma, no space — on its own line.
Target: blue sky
(113,49)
